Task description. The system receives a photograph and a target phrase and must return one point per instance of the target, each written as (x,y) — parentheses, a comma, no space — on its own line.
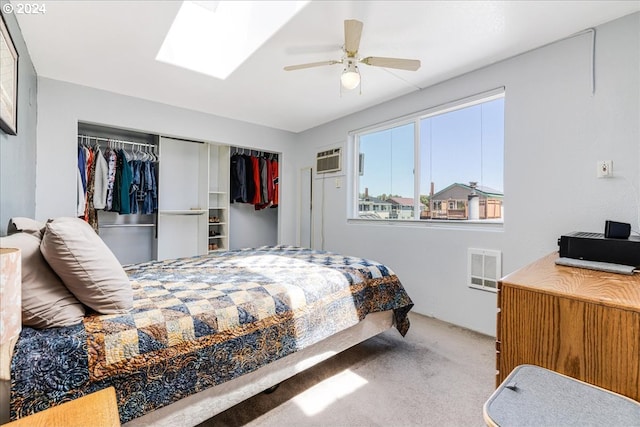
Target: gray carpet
(438,375)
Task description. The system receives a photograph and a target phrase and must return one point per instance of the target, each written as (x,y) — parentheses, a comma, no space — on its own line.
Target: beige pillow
(46,302)
(86,265)
(27,225)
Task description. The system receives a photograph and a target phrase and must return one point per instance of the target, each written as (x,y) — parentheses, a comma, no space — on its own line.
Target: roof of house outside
(404,201)
(480,189)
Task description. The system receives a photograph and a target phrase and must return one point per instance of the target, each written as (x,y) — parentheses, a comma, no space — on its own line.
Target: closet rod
(250,152)
(119,141)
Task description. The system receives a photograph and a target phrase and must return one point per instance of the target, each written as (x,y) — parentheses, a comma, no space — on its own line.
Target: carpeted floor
(438,375)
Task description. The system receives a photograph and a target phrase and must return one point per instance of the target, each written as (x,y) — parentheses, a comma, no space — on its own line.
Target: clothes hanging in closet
(276,182)
(116,181)
(131,184)
(238,184)
(254,179)
(100,180)
(90,214)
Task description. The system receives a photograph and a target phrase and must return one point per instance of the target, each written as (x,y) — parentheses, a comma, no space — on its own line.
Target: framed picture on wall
(8,82)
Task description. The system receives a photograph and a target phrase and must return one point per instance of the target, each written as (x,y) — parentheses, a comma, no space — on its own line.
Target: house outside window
(457,199)
(442,164)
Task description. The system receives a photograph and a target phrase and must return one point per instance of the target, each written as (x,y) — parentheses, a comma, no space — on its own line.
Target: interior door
(181,213)
(305,207)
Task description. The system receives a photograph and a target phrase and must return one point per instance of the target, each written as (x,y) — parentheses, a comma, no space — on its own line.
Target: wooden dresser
(578,322)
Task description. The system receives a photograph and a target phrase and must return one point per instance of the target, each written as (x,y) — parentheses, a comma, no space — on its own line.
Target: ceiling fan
(350,78)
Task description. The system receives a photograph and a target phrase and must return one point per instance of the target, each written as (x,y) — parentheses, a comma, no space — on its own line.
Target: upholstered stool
(535,396)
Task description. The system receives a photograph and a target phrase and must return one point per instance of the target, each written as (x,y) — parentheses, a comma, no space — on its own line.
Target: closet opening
(254,197)
(122,208)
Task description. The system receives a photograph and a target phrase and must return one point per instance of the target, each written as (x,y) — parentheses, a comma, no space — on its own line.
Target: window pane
(460,169)
(461,154)
(385,185)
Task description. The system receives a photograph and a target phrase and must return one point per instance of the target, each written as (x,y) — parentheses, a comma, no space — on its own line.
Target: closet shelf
(217,207)
(217,223)
(217,237)
(183,212)
(217,192)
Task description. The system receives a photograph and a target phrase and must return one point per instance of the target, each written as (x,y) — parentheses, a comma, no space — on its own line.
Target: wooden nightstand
(97,409)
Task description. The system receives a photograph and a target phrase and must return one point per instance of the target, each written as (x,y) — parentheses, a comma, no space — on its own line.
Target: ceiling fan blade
(352,33)
(310,65)
(400,64)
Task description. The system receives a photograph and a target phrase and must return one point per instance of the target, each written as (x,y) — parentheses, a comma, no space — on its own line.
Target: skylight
(215,37)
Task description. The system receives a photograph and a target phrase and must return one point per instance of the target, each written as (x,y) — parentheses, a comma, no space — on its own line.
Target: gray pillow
(86,265)
(46,302)
(26,225)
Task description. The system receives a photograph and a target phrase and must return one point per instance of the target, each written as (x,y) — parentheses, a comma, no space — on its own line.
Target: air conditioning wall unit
(329,161)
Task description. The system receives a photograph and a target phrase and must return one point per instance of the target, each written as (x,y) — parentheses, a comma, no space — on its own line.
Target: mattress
(201,322)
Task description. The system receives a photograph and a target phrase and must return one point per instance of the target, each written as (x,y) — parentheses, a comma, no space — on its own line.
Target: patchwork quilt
(201,321)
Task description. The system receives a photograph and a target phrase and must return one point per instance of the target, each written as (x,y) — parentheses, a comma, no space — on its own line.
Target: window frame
(415,118)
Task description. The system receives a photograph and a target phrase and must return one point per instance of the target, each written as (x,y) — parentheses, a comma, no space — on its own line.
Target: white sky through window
(216,37)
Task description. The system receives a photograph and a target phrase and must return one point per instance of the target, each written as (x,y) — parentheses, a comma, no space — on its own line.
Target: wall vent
(329,161)
(484,269)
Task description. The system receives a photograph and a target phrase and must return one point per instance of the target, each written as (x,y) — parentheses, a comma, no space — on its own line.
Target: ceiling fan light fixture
(350,78)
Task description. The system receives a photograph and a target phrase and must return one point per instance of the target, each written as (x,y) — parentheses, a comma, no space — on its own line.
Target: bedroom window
(445,164)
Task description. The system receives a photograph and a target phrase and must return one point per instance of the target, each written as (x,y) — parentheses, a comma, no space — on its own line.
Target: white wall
(61,105)
(555,131)
(249,228)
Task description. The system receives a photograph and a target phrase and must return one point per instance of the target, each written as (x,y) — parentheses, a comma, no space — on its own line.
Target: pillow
(26,225)
(46,302)
(86,265)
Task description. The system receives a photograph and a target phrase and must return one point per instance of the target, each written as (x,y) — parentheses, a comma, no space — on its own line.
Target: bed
(205,333)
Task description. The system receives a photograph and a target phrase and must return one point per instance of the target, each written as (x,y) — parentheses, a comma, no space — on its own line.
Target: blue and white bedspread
(201,321)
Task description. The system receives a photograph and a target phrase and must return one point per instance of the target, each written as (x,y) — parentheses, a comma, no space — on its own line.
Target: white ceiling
(112,45)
